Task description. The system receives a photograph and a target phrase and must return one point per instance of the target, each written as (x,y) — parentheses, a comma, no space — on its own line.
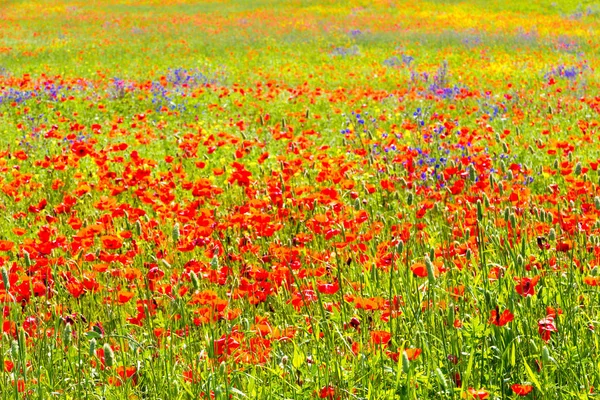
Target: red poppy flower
(380,337)
(521,390)
(478,393)
(328,288)
(419,269)
(501,319)
(526,286)
(545,327)
(110,242)
(564,246)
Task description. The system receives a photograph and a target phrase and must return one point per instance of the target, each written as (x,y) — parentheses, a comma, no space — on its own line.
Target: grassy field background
(299,199)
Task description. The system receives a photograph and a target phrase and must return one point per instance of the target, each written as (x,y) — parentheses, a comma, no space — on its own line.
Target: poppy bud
(441,378)
(546,354)
(109,355)
(176,233)
(472,174)
(492,181)
(400,246)
(552,234)
(486,200)
(92,349)
(409,199)
(214,263)
(502,166)
(430,270)
(405,363)
(506,214)
(555,165)
(14,349)
(67,335)
(195,281)
(509,175)
(479,211)
(594,271)
(597,202)
(27,259)
(138,228)
(504,147)
(513,220)
(5,280)
(520,261)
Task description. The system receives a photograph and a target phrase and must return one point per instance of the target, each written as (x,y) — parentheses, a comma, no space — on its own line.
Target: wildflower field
(261,199)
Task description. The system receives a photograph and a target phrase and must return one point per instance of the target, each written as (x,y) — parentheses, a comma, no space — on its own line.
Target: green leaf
(93,335)
(298,358)
(533,378)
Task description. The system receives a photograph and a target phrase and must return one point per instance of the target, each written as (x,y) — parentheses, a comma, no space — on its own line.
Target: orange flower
(6,245)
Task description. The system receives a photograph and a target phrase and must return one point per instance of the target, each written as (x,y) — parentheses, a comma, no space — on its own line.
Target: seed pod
(109,355)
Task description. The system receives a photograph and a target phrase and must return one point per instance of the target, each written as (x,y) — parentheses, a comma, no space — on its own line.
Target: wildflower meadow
(261,199)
